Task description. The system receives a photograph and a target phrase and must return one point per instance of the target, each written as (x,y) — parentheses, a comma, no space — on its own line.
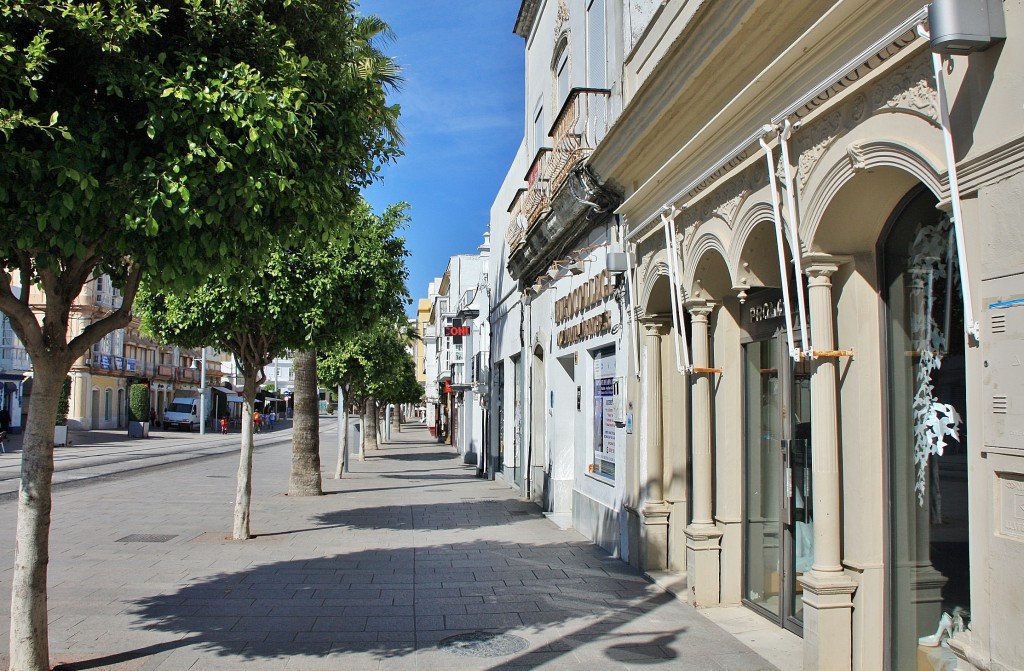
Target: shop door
(778,520)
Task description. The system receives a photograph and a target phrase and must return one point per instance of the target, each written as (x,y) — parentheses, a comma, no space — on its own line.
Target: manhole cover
(483,644)
(146,538)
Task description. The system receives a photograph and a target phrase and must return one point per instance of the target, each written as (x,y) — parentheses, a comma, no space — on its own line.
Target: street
(410,562)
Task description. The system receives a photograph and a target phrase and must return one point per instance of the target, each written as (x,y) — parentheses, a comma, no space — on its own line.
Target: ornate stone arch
(752,256)
(889,166)
(656,269)
(708,241)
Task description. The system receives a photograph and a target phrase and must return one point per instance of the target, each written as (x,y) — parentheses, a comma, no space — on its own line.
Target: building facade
(770,255)
(101,377)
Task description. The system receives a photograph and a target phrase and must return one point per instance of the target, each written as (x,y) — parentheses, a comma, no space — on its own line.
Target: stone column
(654,511)
(703,537)
(828,591)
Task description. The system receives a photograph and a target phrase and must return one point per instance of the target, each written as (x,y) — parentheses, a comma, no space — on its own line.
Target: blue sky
(462,118)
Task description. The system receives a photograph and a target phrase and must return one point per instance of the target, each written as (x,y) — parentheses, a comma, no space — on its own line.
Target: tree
(146,141)
(304,478)
(372,366)
(375,285)
(305,296)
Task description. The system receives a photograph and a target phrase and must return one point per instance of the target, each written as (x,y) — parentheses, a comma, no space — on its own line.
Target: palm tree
(369,64)
(305,473)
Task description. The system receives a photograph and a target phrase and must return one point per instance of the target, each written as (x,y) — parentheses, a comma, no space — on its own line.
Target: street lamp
(202,394)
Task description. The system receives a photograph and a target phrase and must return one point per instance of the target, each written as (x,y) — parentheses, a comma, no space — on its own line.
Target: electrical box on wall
(1003,344)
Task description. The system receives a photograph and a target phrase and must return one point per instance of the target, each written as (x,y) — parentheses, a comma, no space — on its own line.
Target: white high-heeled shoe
(944,631)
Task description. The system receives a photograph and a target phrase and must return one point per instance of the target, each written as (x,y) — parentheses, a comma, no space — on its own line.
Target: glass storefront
(929,569)
(778,521)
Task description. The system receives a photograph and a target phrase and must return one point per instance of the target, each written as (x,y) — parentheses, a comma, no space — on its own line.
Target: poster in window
(604,414)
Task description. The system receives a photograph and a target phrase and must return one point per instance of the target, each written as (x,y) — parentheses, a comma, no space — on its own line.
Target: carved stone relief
(911,89)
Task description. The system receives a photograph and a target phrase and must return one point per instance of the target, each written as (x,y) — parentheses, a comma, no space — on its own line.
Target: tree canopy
(304,296)
(374,363)
(149,137)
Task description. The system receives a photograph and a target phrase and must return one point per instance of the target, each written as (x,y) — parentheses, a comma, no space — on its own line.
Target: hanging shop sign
(582,298)
(588,328)
(585,297)
(456,331)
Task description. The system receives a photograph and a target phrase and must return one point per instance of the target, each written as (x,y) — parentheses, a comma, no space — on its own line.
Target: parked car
(182,413)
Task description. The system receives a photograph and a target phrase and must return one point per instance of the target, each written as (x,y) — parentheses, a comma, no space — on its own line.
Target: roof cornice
(527,15)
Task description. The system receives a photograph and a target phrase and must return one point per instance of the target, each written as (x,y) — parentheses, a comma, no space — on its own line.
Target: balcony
(537,199)
(580,125)
(14,359)
(515,236)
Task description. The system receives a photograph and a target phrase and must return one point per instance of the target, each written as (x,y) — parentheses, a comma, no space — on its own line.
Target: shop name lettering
(759,313)
(588,328)
(584,297)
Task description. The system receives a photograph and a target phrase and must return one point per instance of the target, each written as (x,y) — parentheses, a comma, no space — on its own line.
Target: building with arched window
(807,376)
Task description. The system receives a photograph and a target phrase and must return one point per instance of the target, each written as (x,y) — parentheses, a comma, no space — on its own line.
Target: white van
(182,413)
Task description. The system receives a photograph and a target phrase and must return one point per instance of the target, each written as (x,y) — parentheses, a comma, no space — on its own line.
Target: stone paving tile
(407,550)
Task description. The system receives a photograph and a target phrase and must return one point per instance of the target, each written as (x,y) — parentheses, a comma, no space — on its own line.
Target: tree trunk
(305,476)
(30,647)
(370,424)
(342,434)
(397,418)
(243,488)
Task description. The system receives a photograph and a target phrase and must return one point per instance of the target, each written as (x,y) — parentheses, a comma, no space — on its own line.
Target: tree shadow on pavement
(472,513)
(390,603)
(393,455)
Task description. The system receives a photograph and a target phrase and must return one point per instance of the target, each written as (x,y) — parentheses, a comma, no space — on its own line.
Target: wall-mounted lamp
(576,266)
(958,27)
(617,262)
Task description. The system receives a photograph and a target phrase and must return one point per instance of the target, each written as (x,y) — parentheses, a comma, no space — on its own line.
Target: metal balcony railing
(515,236)
(537,199)
(580,125)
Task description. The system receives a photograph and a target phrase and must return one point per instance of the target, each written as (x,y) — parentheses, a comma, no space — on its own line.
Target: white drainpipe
(971,326)
(779,235)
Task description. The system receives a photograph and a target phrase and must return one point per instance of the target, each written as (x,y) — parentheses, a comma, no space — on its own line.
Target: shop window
(108,404)
(605,431)
(929,563)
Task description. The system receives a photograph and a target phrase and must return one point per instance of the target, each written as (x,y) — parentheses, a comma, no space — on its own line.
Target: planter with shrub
(138,411)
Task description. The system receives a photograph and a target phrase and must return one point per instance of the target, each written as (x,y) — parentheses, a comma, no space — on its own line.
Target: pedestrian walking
(257,421)
(273,418)
(224,424)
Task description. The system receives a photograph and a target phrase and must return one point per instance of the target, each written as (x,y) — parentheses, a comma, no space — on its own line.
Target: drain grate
(146,538)
(483,644)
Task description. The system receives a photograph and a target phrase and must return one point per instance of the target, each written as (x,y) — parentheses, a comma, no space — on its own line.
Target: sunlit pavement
(409,562)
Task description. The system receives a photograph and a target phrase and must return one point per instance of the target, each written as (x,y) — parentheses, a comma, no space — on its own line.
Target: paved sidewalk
(406,552)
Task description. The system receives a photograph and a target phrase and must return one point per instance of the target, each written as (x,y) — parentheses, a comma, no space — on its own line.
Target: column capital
(699,310)
(818,265)
(655,327)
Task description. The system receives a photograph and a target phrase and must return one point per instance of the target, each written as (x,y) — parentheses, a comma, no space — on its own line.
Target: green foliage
(330,408)
(306,296)
(63,403)
(175,137)
(373,363)
(138,403)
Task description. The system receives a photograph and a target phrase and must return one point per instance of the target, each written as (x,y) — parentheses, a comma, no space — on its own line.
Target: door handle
(787,483)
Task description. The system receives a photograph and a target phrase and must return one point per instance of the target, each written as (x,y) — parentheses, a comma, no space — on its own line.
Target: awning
(230,394)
